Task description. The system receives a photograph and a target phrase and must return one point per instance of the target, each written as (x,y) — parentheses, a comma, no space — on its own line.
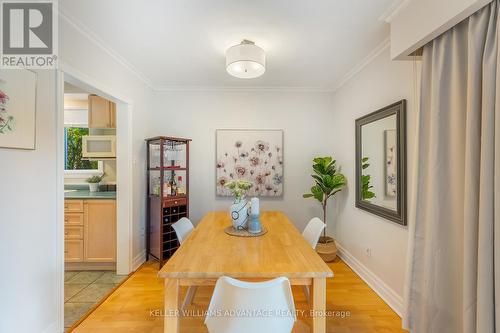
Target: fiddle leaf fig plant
(366,193)
(327,182)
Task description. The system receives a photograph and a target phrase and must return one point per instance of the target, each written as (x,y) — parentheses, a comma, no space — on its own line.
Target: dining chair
(182,229)
(311,233)
(249,307)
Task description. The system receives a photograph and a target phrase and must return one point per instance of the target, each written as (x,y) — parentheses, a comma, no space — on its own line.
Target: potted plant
(239,208)
(94,182)
(328,181)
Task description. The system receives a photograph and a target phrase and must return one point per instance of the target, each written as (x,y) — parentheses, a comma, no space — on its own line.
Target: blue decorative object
(254,225)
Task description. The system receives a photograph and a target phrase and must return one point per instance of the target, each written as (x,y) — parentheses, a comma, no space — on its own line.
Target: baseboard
(383,290)
(138,260)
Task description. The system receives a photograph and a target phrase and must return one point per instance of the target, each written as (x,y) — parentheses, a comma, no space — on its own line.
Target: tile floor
(83,289)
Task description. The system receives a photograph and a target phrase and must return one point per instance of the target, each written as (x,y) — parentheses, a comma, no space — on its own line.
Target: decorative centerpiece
(94,182)
(239,209)
(327,183)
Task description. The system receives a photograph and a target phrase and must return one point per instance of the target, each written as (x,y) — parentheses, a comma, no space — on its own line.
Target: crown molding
(241,89)
(365,62)
(81,28)
(393,10)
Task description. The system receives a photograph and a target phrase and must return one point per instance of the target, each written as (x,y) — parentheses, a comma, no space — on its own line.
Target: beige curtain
(453,280)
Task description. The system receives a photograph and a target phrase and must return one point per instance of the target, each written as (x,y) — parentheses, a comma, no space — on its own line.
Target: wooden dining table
(209,253)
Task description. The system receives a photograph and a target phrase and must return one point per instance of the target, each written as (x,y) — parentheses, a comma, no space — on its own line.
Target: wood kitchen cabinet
(90,231)
(102,113)
(99,235)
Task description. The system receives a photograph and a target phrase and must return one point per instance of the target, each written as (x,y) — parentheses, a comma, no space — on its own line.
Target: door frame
(124,176)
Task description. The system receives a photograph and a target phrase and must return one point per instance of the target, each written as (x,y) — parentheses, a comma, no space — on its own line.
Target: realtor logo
(28,34)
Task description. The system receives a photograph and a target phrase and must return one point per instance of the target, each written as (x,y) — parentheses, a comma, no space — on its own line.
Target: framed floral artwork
(17,108)
(252,155)
(390,163)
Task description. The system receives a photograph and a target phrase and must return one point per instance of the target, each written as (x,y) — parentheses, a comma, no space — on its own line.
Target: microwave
(99,147)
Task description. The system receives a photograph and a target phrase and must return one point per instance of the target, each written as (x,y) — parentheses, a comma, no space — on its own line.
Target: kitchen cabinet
(99,231)
(102,113)
(90,231)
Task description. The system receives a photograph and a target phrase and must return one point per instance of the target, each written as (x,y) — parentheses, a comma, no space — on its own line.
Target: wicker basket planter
(327,249)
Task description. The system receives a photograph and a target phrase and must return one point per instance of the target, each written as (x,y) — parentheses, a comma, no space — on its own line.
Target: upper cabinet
(102,113)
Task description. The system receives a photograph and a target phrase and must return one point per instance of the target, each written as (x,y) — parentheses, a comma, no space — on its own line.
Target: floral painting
(390,163)
(6,120)
(17,108)
(252,155)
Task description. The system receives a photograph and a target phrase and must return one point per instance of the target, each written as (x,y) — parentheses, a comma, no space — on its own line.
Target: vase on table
(239,214)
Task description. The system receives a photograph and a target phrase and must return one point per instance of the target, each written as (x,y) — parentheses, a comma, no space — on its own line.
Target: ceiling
(182,43)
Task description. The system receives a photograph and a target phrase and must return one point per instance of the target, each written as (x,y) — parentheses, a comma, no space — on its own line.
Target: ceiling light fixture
(245,60)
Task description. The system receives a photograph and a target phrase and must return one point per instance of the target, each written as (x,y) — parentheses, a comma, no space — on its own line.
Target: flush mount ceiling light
(246,60)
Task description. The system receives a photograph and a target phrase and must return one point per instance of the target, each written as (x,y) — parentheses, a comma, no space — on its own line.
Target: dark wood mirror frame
(398,109)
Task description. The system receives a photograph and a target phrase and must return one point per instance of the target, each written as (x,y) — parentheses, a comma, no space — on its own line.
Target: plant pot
(239,214)
(327,249)
(93,187)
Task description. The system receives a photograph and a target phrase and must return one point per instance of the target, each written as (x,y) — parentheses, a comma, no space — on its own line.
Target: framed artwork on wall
(390,162)
(252,155)
(17,108)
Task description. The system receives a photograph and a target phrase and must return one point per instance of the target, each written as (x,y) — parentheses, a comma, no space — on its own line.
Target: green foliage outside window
(74,150)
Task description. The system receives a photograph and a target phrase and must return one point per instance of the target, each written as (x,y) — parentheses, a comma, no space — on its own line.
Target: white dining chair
(249,307)
(182,229)
(311,233)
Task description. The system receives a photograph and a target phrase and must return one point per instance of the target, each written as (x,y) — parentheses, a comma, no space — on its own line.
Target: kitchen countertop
(85,194)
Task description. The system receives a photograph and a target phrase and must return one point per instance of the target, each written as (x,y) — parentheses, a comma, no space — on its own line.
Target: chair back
(313,231)
(183,228)
(249,307)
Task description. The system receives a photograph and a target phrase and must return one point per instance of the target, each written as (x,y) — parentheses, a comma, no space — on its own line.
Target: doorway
(94,227)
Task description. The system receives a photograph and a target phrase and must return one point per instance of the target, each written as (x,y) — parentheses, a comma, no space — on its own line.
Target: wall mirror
(381,162)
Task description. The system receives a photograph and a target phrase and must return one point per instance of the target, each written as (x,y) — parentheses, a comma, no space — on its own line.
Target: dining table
(209,253)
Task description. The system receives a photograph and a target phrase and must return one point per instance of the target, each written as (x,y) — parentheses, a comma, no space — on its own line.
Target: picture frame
(254,155)
(18,98)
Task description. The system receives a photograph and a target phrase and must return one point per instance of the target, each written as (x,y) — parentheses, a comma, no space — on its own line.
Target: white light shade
(245,60)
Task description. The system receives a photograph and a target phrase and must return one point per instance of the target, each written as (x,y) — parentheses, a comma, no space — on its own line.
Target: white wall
(379,84)
(29,279)
(306,119)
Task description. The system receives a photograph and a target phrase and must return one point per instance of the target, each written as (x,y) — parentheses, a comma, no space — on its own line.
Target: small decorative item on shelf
(94,182)
(254,225)
(239,208)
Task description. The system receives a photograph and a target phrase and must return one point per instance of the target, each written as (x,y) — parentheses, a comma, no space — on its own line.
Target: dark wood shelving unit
(167,162)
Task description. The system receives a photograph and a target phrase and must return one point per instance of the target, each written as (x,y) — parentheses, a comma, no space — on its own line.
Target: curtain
(453,277)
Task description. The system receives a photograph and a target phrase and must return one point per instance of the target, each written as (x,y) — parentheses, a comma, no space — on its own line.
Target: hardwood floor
(136,306)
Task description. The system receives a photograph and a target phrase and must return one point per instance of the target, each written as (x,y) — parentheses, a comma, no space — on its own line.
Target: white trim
(393,10)
(243,89)
(139,260)
(364,63)
(59,167)
(392,299)
(80,27)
